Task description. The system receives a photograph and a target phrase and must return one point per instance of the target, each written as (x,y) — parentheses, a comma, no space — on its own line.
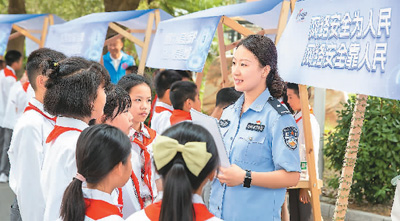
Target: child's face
(122,121)
(141,102)
(293,100)
(197,102)
(98,104)
(127,170)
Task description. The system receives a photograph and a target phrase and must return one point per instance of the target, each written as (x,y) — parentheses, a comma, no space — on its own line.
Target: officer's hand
(231,176)
(304,196)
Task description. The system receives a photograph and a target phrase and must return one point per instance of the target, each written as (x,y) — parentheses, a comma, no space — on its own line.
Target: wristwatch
(247,179)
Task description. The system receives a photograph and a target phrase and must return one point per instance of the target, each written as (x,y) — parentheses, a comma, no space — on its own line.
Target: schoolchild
(75,94)
(103,155)
(186,157)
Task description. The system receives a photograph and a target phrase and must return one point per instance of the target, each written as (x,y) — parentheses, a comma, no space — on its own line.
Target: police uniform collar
(239,103)
(261,100)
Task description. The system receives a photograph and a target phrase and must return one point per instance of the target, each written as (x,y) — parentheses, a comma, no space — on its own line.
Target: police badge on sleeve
(290,135)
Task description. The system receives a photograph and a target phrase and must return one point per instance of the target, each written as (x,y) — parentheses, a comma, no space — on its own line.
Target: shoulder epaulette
(280,108)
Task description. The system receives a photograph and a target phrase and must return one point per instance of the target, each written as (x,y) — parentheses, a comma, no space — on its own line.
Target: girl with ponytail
(186,158)
(260,137)
(103,155)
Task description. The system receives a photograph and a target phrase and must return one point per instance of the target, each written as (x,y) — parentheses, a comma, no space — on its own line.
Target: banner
(351,46)
(5,30)
(85,40)
(183,44)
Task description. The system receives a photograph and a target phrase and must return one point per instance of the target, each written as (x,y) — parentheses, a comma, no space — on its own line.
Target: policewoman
(260,137)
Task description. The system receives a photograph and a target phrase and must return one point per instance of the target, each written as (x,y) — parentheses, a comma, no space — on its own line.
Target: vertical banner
(183,44)
(85,40)
(351,46)
(5,30)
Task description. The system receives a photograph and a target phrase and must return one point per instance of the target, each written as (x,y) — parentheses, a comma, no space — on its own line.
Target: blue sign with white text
(346,45)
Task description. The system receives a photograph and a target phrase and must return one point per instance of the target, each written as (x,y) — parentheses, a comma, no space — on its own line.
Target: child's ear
(188,103)
(41,81)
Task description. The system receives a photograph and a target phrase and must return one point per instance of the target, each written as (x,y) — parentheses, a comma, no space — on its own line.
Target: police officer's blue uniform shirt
(126,61)
(263,139)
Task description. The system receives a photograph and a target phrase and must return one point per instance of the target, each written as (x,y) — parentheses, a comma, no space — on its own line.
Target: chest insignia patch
(224,123)
(290,135)
(255,127)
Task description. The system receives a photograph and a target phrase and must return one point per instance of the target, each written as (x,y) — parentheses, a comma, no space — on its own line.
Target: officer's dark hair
(164,80)
(185,74)
(180,92)
(117,102)
(178,182)
(265,51)
(72,87)
(12,56)
(294,87)
(227,96)
(98,150)
(127,82)
(133,69)
(38,63)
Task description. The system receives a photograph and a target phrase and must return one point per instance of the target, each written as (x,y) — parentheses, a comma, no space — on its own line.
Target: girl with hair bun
(75,94)
(186,157)
(103,155)
(260,137)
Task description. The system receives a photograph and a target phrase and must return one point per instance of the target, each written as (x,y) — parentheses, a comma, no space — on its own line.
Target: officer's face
(247,73)
(293,100)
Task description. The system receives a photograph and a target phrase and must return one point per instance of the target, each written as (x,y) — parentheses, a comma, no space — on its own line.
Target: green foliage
(379,149)
(67,10)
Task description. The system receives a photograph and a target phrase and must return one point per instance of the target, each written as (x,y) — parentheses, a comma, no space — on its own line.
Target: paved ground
(6,198)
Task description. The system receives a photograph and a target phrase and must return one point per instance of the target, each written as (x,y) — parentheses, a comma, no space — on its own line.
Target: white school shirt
(160,121)
(141,215)
(5,85)
(26,154)
(315,135)
(59,166)
(131,202)
(16,103)
(395,214)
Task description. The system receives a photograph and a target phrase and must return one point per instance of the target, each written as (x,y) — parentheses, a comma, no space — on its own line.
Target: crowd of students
(81,149)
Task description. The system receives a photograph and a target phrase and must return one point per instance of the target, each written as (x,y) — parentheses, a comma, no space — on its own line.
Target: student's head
(116,109)
(163,82)
(75,89)
(254,66)
(38,63)
(293,98)
(184,96)
(133,69)
(115,47)
(186,75)
(225,97)
(14,59)
(139,91)
(103,155)
(185,170)
(2,64)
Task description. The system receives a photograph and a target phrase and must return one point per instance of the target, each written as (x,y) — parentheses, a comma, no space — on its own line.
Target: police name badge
(255,127)
(290,135)
(224,123)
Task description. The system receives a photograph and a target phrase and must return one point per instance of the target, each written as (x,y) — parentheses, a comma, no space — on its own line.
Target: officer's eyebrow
(243,59)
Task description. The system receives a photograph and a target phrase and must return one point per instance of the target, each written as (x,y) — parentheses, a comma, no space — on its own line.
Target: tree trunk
(17,7)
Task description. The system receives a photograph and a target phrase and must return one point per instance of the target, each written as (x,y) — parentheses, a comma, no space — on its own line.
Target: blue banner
(183,44)
(5,30)
(85,40)
(351,46)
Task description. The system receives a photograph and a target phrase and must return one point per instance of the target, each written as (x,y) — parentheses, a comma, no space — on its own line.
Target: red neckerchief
(200,210)
(311,112)
(57,131)
(98,209)
(153,104)
(25,86)
(160,109)
(32,107)
(147,164)
(9,73)
(179,116)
